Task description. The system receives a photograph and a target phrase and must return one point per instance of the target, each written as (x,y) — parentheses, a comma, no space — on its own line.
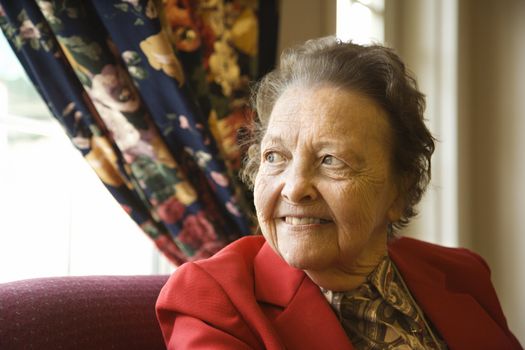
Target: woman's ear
(396,208)
(398,203)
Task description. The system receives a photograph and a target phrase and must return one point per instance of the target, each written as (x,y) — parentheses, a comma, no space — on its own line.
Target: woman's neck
(345,278)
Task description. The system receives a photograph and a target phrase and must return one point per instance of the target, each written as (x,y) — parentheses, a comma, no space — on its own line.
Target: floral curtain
(152,93)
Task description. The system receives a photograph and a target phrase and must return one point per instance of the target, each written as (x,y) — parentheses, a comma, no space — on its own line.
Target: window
(56,217)
(361,21)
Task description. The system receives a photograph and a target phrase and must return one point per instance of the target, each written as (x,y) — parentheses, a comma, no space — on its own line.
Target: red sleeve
(191,333)
(467,285)
(492,304)
(194,312)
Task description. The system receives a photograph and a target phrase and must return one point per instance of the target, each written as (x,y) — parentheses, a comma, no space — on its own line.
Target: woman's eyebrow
(273,139)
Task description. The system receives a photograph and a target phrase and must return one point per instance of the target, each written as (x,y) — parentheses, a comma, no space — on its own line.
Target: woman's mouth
(293,220)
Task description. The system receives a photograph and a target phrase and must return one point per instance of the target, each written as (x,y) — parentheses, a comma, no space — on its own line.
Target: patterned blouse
(381,313)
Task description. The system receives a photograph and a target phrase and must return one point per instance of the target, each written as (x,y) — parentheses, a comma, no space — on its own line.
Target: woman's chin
(302,261)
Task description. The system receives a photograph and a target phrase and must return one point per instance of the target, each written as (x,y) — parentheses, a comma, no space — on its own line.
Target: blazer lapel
(295,305)
(458,317)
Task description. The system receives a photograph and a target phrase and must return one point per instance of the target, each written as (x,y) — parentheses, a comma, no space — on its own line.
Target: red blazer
(247,297)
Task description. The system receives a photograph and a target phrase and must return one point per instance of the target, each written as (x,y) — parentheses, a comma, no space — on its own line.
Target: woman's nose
(298,187)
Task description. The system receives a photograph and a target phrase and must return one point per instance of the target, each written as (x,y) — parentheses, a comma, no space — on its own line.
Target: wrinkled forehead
(329,112)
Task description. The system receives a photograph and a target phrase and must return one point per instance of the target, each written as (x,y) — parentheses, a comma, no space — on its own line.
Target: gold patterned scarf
(381,313)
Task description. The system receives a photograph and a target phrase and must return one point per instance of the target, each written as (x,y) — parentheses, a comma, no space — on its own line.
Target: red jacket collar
(278,284)
(458,317)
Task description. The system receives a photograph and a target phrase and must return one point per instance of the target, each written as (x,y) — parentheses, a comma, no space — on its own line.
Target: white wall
(492,95)
(469,58)
(301,20)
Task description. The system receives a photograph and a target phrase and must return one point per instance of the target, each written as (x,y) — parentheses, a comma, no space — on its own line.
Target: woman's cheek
(264,208)
(261,197)
(365,204)
(349,203)
(266,198)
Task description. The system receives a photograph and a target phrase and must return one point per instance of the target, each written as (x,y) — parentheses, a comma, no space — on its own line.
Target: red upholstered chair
(95,312)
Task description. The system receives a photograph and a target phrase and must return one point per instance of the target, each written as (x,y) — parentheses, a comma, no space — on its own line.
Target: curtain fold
(152,94)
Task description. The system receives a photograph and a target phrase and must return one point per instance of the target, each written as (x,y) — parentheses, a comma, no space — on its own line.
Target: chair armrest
(93,312)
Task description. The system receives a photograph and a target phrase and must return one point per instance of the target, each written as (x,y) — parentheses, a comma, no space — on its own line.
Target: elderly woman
(341,157)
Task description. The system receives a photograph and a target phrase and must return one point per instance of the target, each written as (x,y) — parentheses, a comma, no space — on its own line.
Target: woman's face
(325,188)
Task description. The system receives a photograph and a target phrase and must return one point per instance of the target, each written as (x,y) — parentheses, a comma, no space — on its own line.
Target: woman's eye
(273,157)
(328,160)
(331,160)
